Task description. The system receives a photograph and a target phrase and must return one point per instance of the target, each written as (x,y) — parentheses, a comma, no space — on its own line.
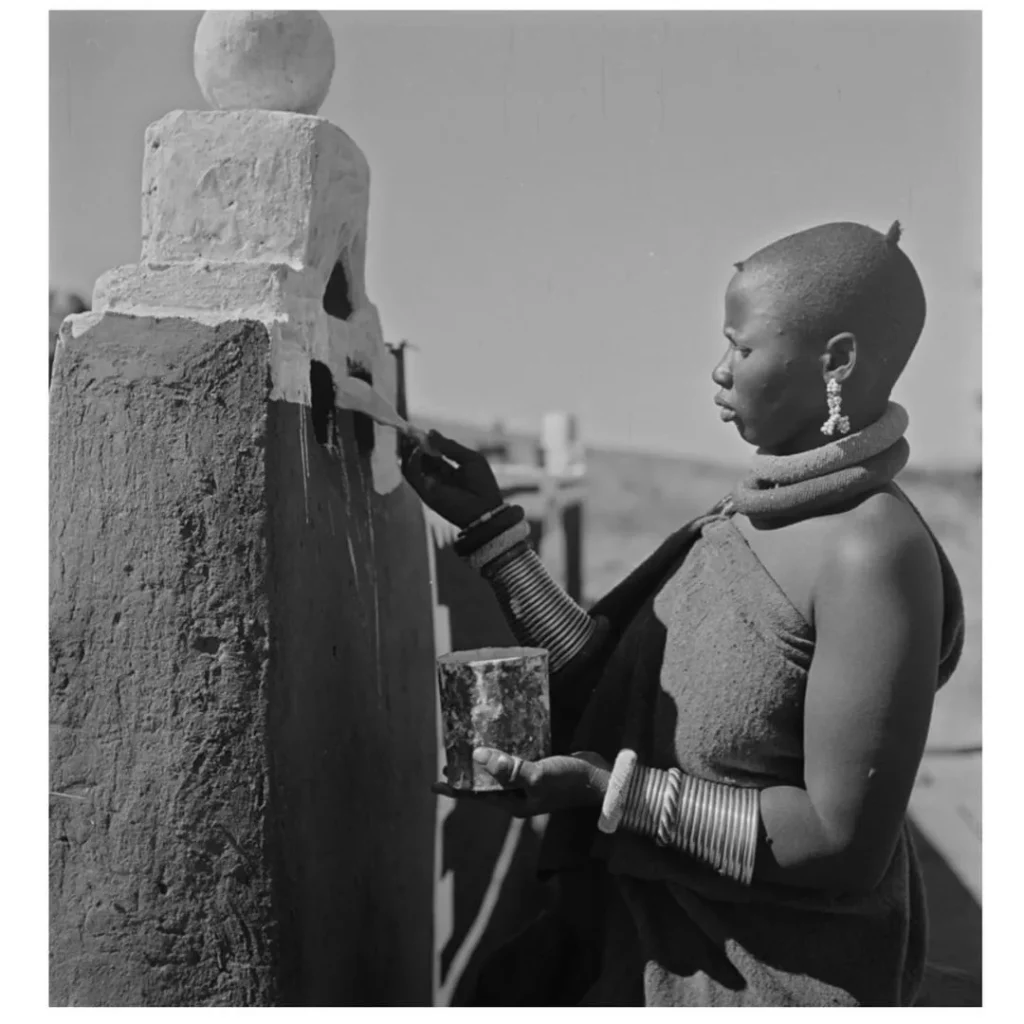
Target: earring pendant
(836,421)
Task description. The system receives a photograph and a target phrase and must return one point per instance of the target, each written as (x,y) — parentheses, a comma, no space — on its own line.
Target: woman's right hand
(460,487)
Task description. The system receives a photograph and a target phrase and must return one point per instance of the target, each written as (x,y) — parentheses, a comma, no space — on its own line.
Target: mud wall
(351,723)
(159,889)
(241,687)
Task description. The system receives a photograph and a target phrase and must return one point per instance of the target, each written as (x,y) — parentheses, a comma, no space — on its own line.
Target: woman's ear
(840,356)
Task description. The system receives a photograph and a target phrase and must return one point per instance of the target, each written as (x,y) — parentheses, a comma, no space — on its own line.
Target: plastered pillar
(241,685)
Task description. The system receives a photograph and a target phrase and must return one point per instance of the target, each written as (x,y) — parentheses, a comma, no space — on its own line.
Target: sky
(557,199)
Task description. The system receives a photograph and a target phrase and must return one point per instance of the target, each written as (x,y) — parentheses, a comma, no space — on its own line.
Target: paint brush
(358,396)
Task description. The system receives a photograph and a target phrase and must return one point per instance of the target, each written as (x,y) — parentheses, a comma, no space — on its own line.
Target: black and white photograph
(514,509)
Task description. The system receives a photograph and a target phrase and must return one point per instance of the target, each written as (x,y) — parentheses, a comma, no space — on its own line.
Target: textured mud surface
(242,727)
(159,893)
(493,698)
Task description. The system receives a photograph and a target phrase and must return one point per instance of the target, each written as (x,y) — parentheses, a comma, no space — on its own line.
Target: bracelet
(715,823)
(469,541)
(669,807)
(542,610)
(493,568)
(479,521)
(618,789)
(500,544)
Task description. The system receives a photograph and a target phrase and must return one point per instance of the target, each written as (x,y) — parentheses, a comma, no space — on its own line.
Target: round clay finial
(264,60)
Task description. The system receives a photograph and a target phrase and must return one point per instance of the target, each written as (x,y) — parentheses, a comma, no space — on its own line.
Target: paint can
(493,697)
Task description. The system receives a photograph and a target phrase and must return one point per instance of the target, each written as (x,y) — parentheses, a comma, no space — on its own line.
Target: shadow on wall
(62,304)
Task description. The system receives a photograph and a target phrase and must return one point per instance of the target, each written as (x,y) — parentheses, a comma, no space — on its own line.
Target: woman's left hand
(539,787)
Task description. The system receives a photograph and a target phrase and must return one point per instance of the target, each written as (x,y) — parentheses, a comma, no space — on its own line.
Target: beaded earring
(835,403)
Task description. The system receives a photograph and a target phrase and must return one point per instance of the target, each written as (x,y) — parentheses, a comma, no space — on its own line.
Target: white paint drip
(362,478)
(304,458)
(352,559)
(344,470)
(367,495)
(362,602)
(376,596)
(376,633)
(344,473)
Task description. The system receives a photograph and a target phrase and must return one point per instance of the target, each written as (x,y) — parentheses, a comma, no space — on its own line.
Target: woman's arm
(539,612)
(459,485)
(870,691)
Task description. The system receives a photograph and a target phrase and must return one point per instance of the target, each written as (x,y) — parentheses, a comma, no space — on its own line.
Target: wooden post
(564,460)
(401,399)
(572,527)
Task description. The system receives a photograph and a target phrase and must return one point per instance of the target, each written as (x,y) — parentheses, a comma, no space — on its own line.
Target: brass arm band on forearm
(544,614)
(715,823)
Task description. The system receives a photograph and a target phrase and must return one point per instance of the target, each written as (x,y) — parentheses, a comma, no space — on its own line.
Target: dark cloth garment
(701,663)
(953,623)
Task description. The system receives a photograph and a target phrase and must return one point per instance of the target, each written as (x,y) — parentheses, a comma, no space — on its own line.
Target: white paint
(78,324)
(352,559)
(376,602)
(348,485)
(387,473)
(254,185)
(244,215)
(304,457)
(278,60)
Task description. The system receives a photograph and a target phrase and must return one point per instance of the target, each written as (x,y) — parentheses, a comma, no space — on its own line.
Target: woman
(748,709)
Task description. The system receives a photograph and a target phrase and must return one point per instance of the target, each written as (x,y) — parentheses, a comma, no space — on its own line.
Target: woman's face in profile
(771,386)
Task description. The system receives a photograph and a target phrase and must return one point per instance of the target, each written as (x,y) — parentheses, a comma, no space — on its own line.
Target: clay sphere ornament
(264,60)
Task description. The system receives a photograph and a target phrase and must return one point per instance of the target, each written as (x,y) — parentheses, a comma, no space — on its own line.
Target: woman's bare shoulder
(881,538)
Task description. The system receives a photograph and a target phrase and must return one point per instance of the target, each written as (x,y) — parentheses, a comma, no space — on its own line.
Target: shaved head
(845,277)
